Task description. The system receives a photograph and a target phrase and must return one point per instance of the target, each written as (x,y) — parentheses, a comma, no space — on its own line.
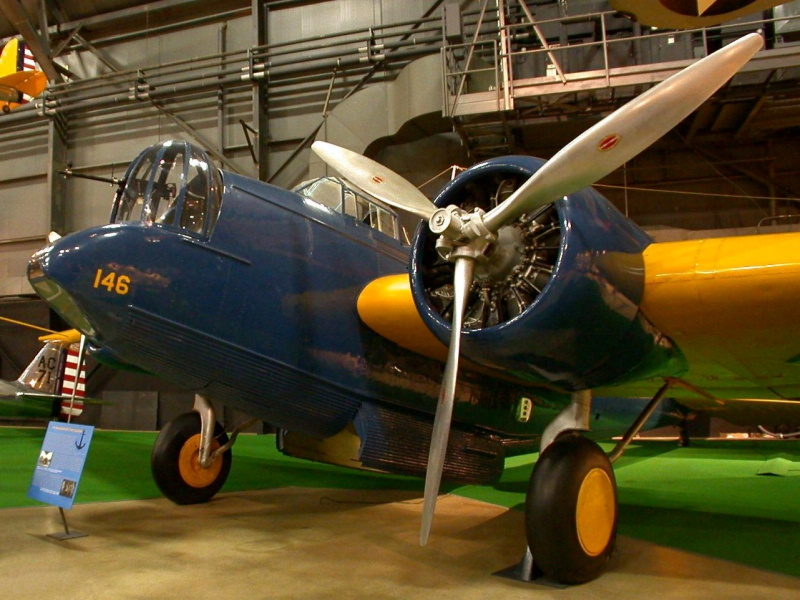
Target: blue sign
(58,470)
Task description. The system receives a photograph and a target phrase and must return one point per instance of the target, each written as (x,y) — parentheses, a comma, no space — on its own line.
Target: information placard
(60,465)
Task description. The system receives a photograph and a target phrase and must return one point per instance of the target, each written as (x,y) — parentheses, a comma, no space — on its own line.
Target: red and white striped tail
(73,381)
(28,62)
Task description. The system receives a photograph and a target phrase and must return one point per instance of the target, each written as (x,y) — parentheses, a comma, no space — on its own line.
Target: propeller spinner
(464,237)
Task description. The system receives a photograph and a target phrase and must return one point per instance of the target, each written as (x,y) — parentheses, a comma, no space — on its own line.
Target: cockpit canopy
(173,184)
(338,196)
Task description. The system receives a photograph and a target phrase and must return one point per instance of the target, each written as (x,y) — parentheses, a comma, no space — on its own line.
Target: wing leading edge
(727,303)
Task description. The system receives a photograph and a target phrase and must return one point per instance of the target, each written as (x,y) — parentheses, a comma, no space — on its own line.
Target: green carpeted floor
(737,500)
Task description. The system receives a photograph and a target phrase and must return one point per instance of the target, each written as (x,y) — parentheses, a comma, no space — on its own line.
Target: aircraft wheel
(571,510)
(175,466)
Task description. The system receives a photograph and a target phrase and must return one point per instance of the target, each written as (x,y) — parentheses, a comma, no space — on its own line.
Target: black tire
(571,545)
(174,462)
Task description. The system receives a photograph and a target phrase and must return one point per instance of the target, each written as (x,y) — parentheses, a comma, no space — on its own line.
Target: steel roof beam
(19,18)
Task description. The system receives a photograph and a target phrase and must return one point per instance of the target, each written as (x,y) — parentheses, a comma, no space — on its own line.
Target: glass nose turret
(173,184)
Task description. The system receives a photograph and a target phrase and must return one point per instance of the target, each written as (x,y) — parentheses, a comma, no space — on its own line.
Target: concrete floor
(314,543)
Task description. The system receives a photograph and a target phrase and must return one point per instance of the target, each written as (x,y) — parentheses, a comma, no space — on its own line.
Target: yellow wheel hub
(594,514)
(189,464)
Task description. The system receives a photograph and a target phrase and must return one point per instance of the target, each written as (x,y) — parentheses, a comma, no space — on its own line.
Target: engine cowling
(556,297)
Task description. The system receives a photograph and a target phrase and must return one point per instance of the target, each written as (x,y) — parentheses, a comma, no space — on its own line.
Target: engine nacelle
(556,299)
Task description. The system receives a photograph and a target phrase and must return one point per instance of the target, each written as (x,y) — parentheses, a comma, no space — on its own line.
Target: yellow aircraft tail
(12,59)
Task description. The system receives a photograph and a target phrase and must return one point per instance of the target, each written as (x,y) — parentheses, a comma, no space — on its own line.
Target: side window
(383,221)
(334,194)
(354,206)
(361,209)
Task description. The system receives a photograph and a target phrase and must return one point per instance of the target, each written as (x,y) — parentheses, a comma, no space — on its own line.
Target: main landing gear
(176,466)
(571,505)
(571,510)
(191,458)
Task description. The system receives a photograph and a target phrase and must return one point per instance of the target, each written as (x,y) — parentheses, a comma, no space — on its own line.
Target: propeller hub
(502,256)
(447,222)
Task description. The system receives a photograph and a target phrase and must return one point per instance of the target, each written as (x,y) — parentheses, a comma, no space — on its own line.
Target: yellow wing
(689,15)
(31,83)
(730,304)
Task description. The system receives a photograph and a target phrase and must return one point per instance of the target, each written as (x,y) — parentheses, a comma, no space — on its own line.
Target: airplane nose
(47,286)
(35,271)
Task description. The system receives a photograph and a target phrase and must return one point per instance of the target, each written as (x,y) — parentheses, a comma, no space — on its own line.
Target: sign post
(59,468)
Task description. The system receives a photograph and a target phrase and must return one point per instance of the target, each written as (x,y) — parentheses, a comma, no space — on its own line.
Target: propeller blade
(462,282)
(375,179)
(626,132)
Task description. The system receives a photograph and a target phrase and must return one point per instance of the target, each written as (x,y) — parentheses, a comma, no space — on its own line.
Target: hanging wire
(725,177)
(684,193)
(452,169)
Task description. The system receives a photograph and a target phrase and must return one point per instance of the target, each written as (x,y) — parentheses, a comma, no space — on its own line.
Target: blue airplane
(523,300)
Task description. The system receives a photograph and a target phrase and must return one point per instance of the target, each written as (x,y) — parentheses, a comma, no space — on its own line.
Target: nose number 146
(119,284)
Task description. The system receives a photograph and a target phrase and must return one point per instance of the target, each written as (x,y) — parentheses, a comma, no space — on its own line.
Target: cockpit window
(172,184)
(131,200)
(326,190)
(162,203)
(193,215)
(333,193)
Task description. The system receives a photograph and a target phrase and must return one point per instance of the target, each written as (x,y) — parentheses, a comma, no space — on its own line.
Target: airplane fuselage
(267,302)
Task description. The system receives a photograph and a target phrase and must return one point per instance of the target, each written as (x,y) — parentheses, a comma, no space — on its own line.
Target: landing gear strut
(175,461)
(571,504)
(571,510)
(191,458)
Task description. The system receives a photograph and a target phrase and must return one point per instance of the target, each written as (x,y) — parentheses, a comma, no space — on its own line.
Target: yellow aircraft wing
(690,14)
(729,305)
(30,83)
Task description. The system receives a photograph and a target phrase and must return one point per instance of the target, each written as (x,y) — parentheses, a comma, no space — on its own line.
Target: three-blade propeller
(592,155)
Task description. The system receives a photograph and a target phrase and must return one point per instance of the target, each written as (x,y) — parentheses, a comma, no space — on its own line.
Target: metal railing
(519,55)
